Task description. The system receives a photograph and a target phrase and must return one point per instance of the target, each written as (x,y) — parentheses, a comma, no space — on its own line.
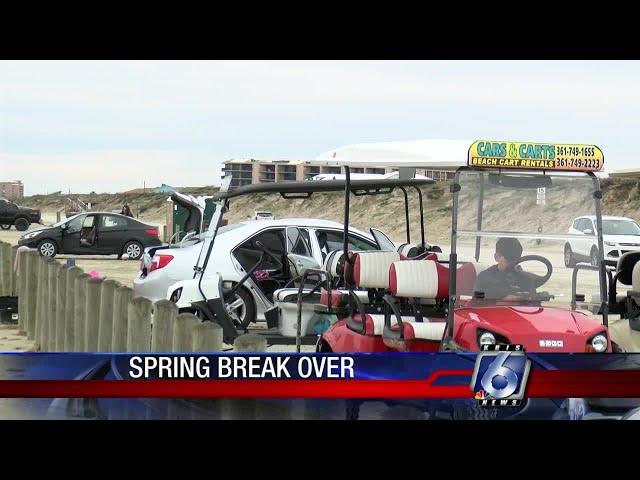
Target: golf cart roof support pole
(421,215)
(347,194)
(597,195)
(479,220)
(453,257)
(406,214)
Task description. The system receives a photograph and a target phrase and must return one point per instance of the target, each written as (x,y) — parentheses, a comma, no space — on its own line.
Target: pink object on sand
(94,274)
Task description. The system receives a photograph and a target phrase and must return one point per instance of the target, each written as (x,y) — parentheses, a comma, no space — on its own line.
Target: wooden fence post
(52,299)
(139,331)
(80,306)
(122,297)
(164,316)
(92,314)
(183,331)
(207,337)
(61,294)
(69,308)
(31,293)
(105,327)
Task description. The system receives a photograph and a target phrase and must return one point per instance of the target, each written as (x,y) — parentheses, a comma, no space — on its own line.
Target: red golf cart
(526,192)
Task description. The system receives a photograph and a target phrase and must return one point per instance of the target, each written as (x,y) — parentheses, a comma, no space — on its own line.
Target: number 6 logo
(498,369)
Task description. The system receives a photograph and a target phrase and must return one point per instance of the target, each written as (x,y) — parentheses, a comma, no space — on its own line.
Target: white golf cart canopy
(434,153)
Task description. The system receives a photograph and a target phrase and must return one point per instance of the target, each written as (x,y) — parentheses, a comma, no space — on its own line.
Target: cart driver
(499,281)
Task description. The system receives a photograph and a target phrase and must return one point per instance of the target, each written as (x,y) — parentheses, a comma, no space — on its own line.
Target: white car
(237,248)
(619,235)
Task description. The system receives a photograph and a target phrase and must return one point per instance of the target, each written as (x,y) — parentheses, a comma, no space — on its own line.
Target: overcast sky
(112,125)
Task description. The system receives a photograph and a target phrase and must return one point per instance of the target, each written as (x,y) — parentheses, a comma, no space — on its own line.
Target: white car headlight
(487,338)
(610,244)
(31,235)
(599,343)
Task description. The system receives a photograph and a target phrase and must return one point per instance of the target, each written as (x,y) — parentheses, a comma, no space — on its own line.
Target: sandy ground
(12,341)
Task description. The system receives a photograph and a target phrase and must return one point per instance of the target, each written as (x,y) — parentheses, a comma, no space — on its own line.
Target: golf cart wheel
(241,307)
(595,261)
(47,248)
(5,226)
(471,410)
(21,224)
(569,262)
(133,249)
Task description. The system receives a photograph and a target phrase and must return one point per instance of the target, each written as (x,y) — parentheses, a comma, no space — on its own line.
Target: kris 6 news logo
(500,376)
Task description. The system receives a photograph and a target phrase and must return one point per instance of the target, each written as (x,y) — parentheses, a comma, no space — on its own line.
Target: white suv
(619,235)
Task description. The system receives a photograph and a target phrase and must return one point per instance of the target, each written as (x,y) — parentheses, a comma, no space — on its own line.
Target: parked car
(21,217)
(619,234)
(236,250)
(94,233)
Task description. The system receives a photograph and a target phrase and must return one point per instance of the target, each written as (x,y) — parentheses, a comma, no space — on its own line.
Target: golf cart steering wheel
(536,280)
(270,254)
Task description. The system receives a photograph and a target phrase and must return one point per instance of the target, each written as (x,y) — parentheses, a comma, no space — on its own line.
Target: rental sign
(535,156)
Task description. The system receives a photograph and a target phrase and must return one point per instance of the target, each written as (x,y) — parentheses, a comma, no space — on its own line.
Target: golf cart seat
(286,302)
(467,272)
(371,268)
(421,279)
(336,300)
(624,274)
(370,272)
(633,295)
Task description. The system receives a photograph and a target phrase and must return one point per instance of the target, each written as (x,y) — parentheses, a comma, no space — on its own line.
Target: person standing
(126,210)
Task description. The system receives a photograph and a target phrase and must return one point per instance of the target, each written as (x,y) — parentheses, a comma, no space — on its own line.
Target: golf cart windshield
(515,225)
(620,227)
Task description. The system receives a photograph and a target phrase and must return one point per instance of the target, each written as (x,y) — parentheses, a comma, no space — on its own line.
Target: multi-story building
(12,190)
(246,171)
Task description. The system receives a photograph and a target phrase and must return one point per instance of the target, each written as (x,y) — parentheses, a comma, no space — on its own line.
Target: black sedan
(94,233)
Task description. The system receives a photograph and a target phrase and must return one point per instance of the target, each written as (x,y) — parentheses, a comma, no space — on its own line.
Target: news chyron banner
(497,373)
(535,156)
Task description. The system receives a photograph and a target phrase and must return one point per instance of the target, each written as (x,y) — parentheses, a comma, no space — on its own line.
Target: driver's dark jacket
(496,284)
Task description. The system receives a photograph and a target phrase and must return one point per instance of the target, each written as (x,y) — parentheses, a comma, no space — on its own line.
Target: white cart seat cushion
(466,274)
(635,278)
(289,295)
(371,269)
(333,263)
(432,331)
(418,279)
